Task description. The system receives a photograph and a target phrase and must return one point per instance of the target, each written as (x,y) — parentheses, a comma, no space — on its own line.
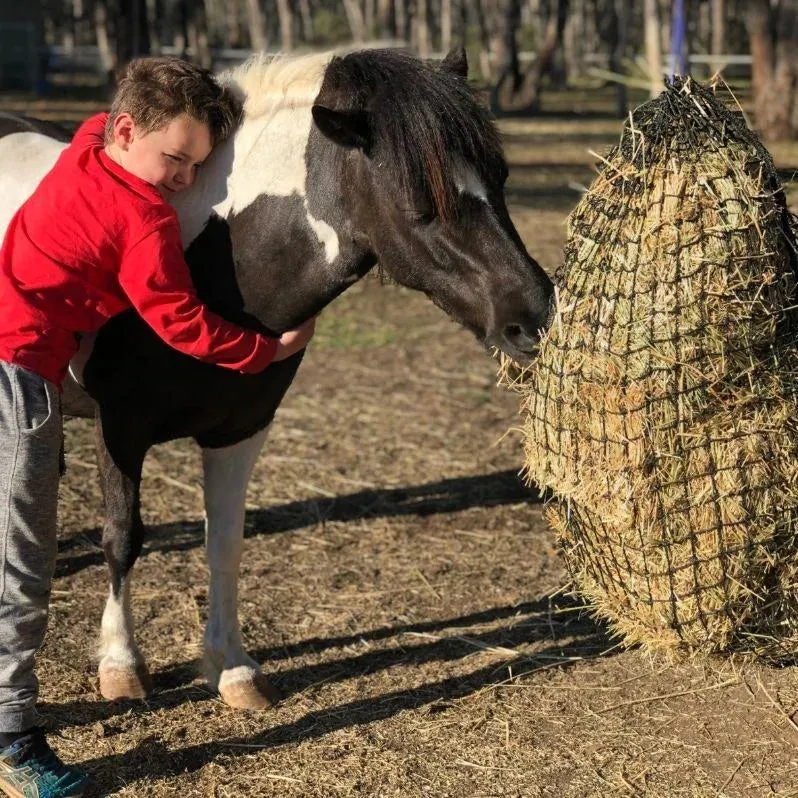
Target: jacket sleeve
(156,279)
(91,133)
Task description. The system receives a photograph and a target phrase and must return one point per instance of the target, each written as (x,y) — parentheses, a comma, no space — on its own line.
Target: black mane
(427,115)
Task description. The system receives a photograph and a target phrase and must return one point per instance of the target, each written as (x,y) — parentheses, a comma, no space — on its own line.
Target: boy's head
(166,116)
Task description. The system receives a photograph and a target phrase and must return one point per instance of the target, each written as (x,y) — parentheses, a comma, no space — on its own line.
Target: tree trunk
(306,19)
(718,35)
(368,18)
(386,21)
(400,15)
(354,15)
(286,18)
(421,29)
(618,54)
(521,93)
(107,53)
(480,12)
(197,33)
(68,30)
(132,31)
(653,46)
(529,93)
(152,26)
(504,48)
(773,32)
(258,39)
(232,23)
(446,25)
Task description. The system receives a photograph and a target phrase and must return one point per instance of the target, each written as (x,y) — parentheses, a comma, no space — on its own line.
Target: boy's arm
(155,276)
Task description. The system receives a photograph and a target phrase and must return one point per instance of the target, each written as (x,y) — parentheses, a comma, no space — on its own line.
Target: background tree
(132,30)
(773,32)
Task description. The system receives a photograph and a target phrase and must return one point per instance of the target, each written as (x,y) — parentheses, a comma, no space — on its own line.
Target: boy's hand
(291,341)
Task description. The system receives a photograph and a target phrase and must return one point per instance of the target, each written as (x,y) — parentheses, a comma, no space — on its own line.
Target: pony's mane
(426,115)
(265,83)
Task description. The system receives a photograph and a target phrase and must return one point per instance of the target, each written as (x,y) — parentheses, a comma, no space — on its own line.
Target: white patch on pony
(78,363)
(325,234)
(26,159)
(227,472)
(117,643)
(266,156)
(469,182)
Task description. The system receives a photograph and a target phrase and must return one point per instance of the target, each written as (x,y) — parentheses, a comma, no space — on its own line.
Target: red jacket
(94,240)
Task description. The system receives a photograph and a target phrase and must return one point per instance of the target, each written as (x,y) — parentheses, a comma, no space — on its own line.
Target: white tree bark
(653,45)
(258,39)
(307,20)
(107,51)
(354,15)
(286,19)
(446,25)
(421,26)
(718,31)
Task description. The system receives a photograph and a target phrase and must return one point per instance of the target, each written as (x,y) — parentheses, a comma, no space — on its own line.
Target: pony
(340,163)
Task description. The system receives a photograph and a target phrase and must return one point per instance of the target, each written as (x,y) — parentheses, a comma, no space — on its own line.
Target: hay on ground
(662,411)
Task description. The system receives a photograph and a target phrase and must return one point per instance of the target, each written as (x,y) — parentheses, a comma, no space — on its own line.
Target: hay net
(662,410)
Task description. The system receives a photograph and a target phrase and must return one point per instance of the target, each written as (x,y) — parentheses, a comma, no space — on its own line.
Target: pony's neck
(266,156)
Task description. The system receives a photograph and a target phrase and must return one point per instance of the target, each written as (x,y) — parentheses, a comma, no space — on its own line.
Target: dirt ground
(401,587)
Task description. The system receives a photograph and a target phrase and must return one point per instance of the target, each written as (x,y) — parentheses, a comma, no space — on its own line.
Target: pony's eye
(422,217)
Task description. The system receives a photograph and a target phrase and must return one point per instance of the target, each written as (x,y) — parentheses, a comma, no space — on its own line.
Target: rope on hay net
(663,409)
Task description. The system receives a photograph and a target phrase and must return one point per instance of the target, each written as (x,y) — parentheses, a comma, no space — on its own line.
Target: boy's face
(167,158)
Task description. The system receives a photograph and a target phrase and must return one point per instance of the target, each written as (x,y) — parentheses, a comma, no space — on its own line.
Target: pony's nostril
(521,337)
(513,331)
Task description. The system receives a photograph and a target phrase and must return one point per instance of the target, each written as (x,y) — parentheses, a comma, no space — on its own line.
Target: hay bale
(663,409)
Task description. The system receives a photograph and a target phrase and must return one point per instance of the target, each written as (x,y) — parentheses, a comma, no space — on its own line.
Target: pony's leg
(123,672)
(228,668)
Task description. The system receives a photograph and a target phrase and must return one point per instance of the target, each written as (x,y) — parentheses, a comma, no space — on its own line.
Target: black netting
(662,409)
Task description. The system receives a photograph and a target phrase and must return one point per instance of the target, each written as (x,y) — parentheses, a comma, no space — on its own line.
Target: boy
(95,238)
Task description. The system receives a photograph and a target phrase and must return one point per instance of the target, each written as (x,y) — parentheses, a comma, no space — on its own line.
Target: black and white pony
(340,163)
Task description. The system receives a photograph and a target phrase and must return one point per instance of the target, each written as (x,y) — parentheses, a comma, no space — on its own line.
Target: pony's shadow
(562,634)
(444,496)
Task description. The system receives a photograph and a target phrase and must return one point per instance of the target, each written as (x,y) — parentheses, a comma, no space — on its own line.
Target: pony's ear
(347,128)
(456,61)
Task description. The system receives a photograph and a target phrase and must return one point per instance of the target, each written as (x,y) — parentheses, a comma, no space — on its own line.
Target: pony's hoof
(118,683)
(252,691)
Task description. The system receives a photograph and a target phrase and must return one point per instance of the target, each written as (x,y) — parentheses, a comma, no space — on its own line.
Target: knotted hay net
(662,411)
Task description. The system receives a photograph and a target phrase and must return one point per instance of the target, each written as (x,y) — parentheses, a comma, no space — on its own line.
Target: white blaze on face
(26,159)
(469,182)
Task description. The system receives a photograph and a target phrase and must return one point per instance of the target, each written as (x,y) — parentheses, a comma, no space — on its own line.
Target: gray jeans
(30,443)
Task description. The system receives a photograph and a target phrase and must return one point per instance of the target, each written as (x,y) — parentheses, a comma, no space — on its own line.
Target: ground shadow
(444,496)
(561,633)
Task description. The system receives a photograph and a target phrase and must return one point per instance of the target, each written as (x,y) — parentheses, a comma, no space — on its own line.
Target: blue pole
(679,39)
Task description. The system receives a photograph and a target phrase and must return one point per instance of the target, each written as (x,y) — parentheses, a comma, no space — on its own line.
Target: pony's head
(424,174)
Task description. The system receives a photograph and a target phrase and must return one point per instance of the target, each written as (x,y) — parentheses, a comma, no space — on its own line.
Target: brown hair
(156,90)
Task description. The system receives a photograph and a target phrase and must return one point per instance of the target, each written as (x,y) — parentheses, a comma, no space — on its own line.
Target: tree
(258,39)
(521,92)
(773,32)
(718,28)
(132,30)
(653,45)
